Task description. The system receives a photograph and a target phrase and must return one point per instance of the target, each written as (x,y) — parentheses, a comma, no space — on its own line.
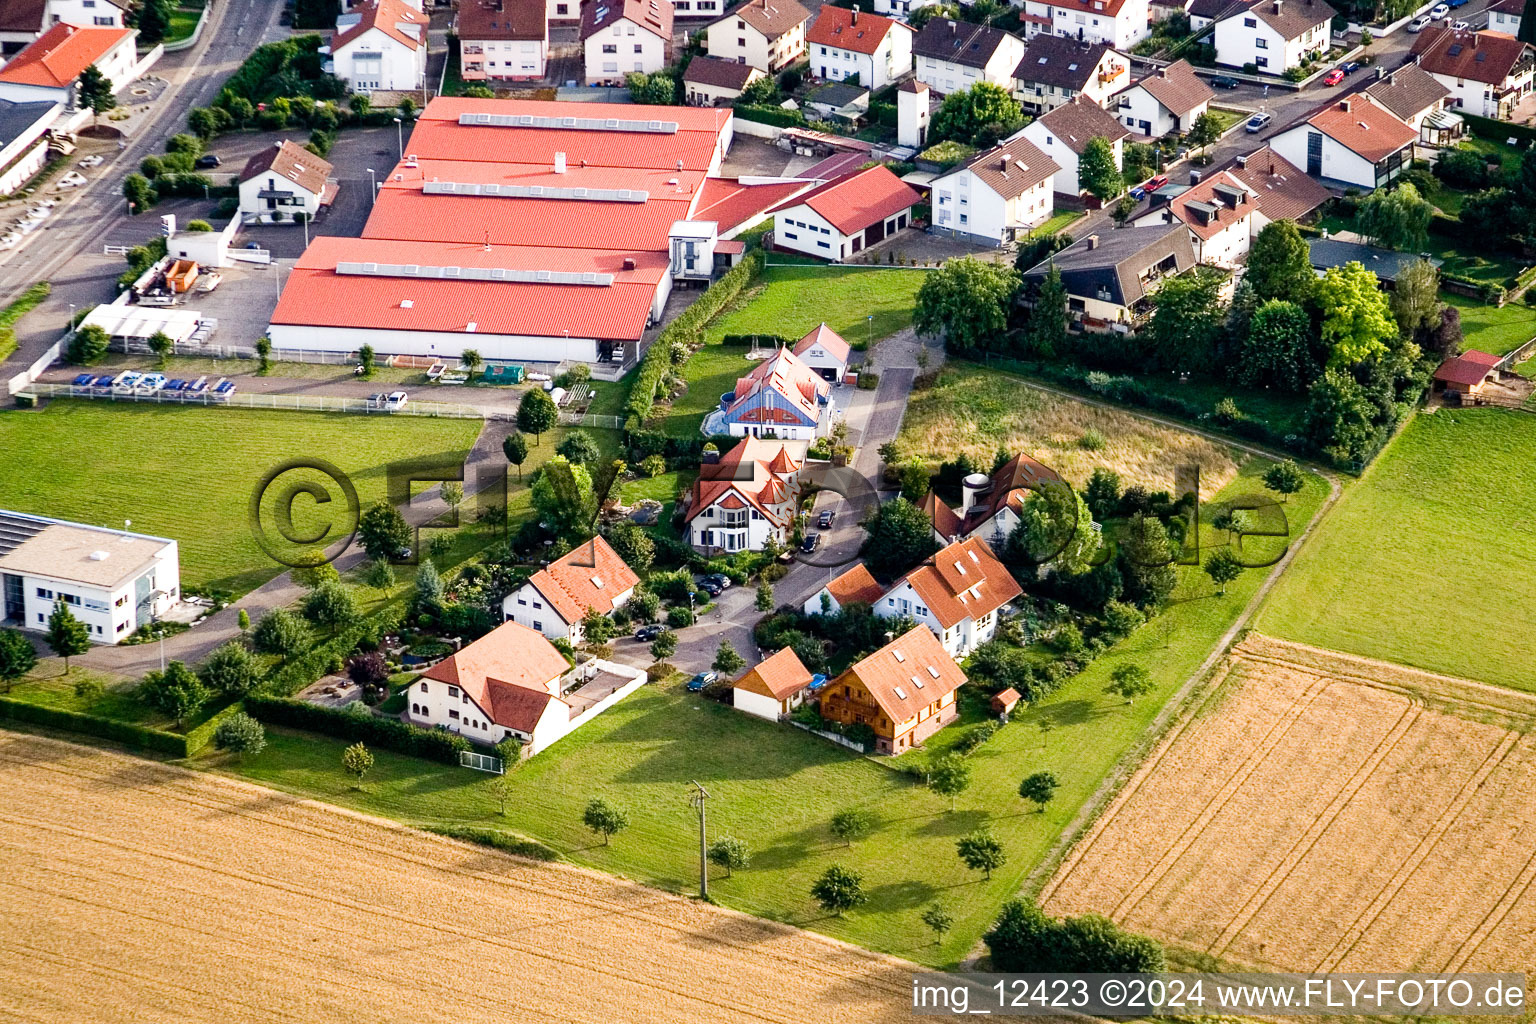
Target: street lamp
(154,618)
(400,136)
(870,322)
(71,319)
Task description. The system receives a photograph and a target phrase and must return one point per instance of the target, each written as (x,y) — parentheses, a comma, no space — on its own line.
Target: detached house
(1352,141)
(1505,15)
(380,44)
(956,594)
(989,506)
(712,82)
(824,351)
(502,40)
(622,37)
(1118,23)
(49,69)
(1064,133)
(1419,100)
(773,687)
(284,180)
(22,21)
(767,34)
(1167,100)
(856,586)
(781,398)
(843,43)
(1109,279)
(1272,35)
(591,578)
(952,56)
(1055,69)
(905,692)
(837,219)
(1487,72)
(750,495)
(996,194)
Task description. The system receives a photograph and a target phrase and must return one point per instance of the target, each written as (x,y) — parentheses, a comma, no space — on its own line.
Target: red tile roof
(1462,370)
(56,58)
(1205,193)
(395,18)
(828,339)
(294,163)
(1110,9)
(507,659)
(590,577)
(852,203)
(1362,127)
(779,675)
(1487,57)
(720,73)
(502,19)
(964,580)
(655,16)
(747,473)
(943,518)
(1487,359)
(728,202)
(856,586)
(850,30)
(907,674)
(1284,192)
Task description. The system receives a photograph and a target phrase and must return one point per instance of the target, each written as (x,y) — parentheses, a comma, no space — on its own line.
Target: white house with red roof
(514,682)
(956,594)
(989,506)
(1353,141)
(380,44)
(781,398)
(1118,23)
(48,70)
(773,687)
(748,496)
(843,216)
(284,180)
(590,578)
(856,586)
(622,37)
(502,40)
(824,351)
(22,21)
(843,43)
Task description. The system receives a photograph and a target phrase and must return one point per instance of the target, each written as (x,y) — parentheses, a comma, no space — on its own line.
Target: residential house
(1272,35)
(1054,69)
(824,351)
(781,398)
(1419,100)
(913,111)
(1204,13)
(113,581)
(1352,141)
(951,56)
(767,34)
(1504,16)
(49,69)
(24,140)
(590,578)
(380,44)
(844,43)
(1110,278)
(1168,100)
(1118,23)
(837,219)
(621,37)
(502,40)
(562,12)
(1487,72)
(996,194)
(283,180)
(750,495)
(1466,374)
(901,9)
(856,586)
(22,21)
(713,82)
(514,682)
(956,594)
(989,505)
(1386,264)
(1064,133)
(773,687)
(905,692)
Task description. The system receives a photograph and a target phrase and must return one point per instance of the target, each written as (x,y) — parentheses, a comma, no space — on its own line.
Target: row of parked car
(132,382)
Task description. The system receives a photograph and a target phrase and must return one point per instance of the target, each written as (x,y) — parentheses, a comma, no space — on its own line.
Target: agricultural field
(1320,812)
(777,788)
(143,884)
(975,410)
(1426,560)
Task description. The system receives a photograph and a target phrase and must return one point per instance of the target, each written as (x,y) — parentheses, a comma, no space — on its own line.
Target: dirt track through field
(1329,813)
(131,890)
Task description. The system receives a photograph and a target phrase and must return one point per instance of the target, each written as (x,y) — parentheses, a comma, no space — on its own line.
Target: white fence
(23,380)
(571,419)
(481,762)
(292,403)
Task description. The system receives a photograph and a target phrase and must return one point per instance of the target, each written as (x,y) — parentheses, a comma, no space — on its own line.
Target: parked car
(718,579)
(393,400)
(1225,82)
(700,681)
(92,161)
(811,542)
(1460,26)
(150,383)
(1420,23)
(207,160)
(645,634)
(710,587)
(1334,77)
(1258,122)
(1351,67)
(10,239)
(825,519)
(1155,182)
(1453,4)
(1439,11)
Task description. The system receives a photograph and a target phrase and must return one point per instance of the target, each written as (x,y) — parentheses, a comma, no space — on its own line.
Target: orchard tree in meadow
(1284,478)
(1097,172)
(937,916)
(1357,319)
(1046,328)
(515,447)
(853,823)
(358,761)
(949,775)
(966,301)
(280,633)
(240,734)
(1396,219)
(963,115)
(1039,788)
(1222,567)
(730,853)
(981,851)
(537,414)
(1277,351)
(1280,264)
(17,657)
(176,692)
(900,536)
(383,531)
(838,890)
(1130,681)
(604,818)
(67,635)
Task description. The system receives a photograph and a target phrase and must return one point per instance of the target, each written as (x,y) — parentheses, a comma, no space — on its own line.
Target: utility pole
(697,798)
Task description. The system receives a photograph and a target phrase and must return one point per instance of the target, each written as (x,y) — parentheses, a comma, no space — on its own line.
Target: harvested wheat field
(1322,812)
(977,411)
(132,890)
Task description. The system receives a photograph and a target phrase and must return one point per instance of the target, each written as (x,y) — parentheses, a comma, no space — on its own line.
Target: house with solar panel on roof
(750,495)
(624,37)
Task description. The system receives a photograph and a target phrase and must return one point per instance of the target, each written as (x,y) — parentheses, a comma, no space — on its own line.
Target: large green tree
(1340,417)
(981,851)
(536,413)
(94,91)
(1097,172)
(17,657)
(562,496)
(1046,328)
(383,531)
(1398,219)
(1056,529)
(1280,264)
(1415,299)
(176,692)
(1188,320)
(900,536)
(964,114)
(1357,319)
(967,302)
(1278,349)
(67,635)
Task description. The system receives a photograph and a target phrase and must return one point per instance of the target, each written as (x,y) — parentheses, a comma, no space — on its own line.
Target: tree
(1277,350)
(383,531)
(967,302)
(87,345)
(579,448)
(365,359)
(853,823)
(1206,131)
(67,635)
(231,670)
(263,355)
(1222,567)
(243,620)
(632,544)
(1039,788)
(93,91)
(1284,478)
(900,536)
(515,447)
(380,575)
(240,734)
(604,818)
(664,646)
(429,584)
(510,750)
(140,192)
(1123,208)
(1528,23)
(839,889)
(280,633)
(358,760)
(913,480)
(981,851)
(563,498)
(1445,340)
(1046,327)
(452,494)
(937,915)
(1415,299)
(1146,562)
(536,413)
(1187,319)
(949,775)
(1397,219)
(1024,939)
(1097,172)
(657,89)
(154,21)
(175,692)
(1130,681)
(315,571)
(470,359)
(764,600)
(728,852)
(761,92)
(727,662)
(1055,528)
(964,114)
(1339,417)
(1357,319)
(330,606)
(1102,494)
(17,657)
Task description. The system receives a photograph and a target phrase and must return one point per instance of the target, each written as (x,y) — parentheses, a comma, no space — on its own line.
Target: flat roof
(89,555)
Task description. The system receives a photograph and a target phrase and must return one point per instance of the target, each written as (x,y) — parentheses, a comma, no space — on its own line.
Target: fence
(481,762)
(23,380)
(291,403)
(594,420)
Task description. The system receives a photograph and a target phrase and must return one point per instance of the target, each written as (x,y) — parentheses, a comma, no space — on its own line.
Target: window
(610,48)
(1250,23)
(1261,43)
(1262,62)
(562,8)
(741,40)
(107,22)
(538,626)
(521,601)
(453,691)
(611,67)
(639,48)
(423,687)
(453,715)
(48,594)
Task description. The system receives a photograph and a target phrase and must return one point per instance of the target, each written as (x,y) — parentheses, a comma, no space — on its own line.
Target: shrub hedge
(386,733)
(506,842)
(133,735)
(776,116)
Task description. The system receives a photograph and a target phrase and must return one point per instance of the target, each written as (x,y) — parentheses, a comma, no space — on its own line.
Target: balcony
(848,709)
(470,49)
(473,73)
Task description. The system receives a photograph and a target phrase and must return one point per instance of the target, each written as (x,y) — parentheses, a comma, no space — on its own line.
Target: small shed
(774,687)
(1467,373)
(1004,702)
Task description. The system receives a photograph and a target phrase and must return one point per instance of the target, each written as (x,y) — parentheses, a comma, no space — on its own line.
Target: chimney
(855,19)
(1277,6)
(1242,161)
(1344,105)
(1093,241)
(629,263)
(559,163)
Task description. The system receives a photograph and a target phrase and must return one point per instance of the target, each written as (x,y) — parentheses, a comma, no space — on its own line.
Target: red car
(1153,184)
(1334,77)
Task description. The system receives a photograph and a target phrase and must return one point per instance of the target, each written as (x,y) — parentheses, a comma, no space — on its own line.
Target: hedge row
(317,661)
(673,342)
(1497,131)
(762,340)
(776,116)
(506,842)
(139,736)
(386,733)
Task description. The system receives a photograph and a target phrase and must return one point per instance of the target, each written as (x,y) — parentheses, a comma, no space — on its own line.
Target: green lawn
(777,788)
(189,474)
(1496,329)
(1058,221)
(28,301)
(183,22)
(1426,561)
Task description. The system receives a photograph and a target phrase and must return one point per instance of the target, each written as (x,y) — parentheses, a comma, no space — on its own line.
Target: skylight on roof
(933,671)
(959,568)
(899,656)
(597,581)
(901,693)
(917,682)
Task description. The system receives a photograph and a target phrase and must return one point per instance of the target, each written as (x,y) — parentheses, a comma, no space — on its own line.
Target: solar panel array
(595,195)
(582,124)
(476,274)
